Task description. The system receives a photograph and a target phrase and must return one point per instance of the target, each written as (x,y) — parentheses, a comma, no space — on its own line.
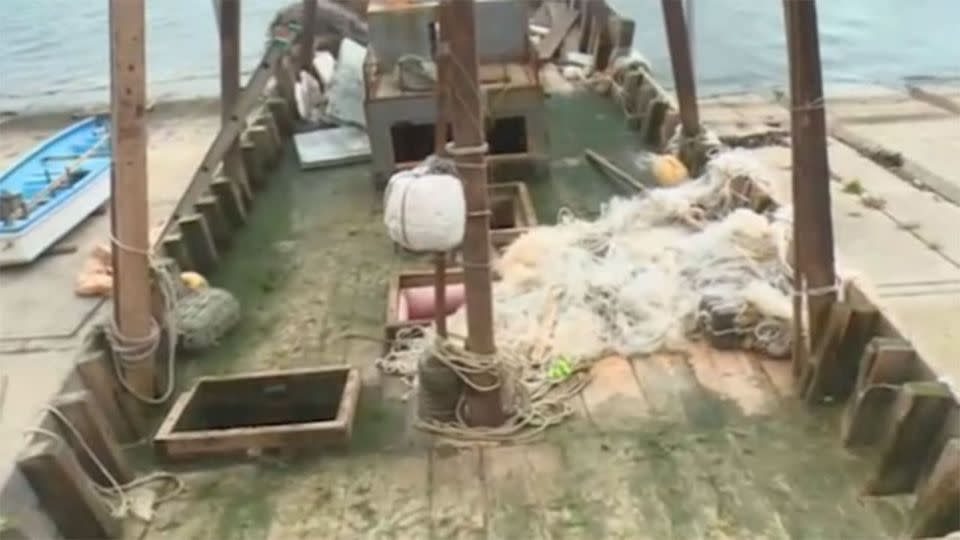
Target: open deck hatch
(269,410)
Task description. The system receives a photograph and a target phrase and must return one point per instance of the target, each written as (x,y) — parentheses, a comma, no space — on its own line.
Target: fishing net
(204,316)
(705,259)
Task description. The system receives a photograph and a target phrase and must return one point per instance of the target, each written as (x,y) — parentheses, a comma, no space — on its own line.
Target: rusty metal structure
(401,120)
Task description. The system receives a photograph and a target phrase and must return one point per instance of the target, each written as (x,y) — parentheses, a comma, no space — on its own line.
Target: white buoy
(425,211)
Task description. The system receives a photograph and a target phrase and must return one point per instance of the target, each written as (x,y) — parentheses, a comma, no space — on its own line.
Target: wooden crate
(294,409)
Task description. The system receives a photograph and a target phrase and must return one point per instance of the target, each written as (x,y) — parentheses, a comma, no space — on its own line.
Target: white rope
(128,351)
(115,489)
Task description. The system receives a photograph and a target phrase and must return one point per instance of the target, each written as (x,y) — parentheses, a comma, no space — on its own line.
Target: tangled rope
(115,490)
(533,400)
(654,271)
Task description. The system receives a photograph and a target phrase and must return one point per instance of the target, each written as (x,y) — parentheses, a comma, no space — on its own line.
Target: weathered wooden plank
(256,170)
(263,142)
(79,409)
(196,235)
(220,228)
(868,415)
(457,505)
(121,411)
(174,248)
(559,29)
(65,493)
(281,115)
(936,511)
(826,363)
(230,201)
(387,498)
(613,398)
(920,412)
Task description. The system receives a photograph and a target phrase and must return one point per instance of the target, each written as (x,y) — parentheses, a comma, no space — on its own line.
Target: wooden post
(308,37)
(129,211)
(920,411)
(679,44)
(228,22)
(812,226)
(440,133)
(62,487)
(79,409)
(469,149)
(936,511)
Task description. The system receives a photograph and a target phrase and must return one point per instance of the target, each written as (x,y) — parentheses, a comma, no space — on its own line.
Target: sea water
(55,54)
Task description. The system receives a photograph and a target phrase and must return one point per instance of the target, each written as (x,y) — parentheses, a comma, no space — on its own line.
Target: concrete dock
(895,232)
(42,321)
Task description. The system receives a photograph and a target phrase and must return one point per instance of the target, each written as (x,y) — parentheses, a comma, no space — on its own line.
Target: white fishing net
(707,258)
(654,270)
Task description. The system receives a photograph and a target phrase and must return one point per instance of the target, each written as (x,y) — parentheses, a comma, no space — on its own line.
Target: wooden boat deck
(710,445)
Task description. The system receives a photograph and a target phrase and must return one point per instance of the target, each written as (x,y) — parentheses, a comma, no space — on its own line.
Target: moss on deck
(312,266)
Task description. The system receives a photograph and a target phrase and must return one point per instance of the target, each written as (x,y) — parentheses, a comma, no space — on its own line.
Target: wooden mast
(442,61)
(469,148)
(129,211)
(228,23)
(812,226)
(678,41)
(308,37)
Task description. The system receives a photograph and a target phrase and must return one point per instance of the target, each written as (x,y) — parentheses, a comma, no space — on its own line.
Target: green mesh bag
(205,316)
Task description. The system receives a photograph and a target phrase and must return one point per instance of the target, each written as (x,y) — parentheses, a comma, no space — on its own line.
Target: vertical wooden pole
(813,229)
(469,150)
(129,211)
(228,23)
(442,61)
(308,36)
(679,44)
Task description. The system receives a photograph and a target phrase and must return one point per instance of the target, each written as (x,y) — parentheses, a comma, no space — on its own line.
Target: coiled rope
(115,490)
(534,401)
(129,352)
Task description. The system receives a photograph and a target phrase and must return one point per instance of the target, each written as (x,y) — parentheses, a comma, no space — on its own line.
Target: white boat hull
(24,246)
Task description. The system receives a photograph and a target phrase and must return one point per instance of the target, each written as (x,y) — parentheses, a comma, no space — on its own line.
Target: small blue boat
(53,188)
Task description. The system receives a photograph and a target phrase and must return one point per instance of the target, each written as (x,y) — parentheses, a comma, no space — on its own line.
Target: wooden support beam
(281,115)
(889,361)
(199,242)
(825,363)
(249,97)
(920,413)
(121,410)
(263,141)
(678,42)
(861,329)
(231,203)
(485,408)
(813,229)
(265,119)
(936,511)
(256,171)
(228,23)
(175,249)
(90,422)
(308,37)
(129,211)
(653,119)
(885,365)
(868,416)
(64,491)
(209,207)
